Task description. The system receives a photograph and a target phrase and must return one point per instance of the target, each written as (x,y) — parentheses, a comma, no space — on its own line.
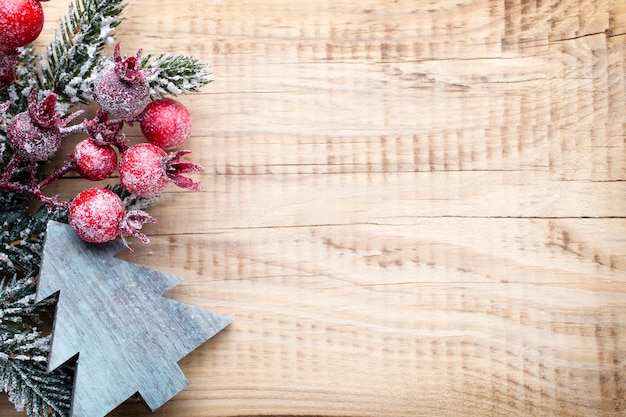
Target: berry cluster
(123,95)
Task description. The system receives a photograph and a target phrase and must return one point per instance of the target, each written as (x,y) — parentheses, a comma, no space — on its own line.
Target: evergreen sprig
(24,351)
(74,57)
(30,387)
(132,201)
(21,242)
(13,201)
(18,310)
(175,74)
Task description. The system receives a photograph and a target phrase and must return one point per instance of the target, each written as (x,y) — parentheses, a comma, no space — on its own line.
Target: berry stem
(81,127)
(59,173)
(52,203)
(10,169)
(131,223)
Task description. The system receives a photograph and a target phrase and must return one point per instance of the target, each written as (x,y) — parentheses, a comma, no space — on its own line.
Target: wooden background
(411,207)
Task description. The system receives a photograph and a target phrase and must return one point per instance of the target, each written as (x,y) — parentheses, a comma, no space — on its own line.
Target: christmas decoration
(166,123)
(92,161)
(39,95)
(35,134)
(97,215)
(21,22)
(121,88)
(146,170)
(128,337)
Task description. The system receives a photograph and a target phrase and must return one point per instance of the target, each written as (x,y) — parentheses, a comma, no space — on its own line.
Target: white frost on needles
(106,27)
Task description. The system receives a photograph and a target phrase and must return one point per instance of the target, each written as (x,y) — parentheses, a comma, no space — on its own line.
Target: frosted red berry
(97,215)
(36,134)
(166,123)
(146,170)
(141,170)
(121,89)
(21,22)
(32,141)
(92,161)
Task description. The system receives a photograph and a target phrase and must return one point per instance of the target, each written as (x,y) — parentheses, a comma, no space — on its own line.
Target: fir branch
(24,351)
(17,310)
(74,57)
(33,389)
(21,241)
(11,201)
(175,74)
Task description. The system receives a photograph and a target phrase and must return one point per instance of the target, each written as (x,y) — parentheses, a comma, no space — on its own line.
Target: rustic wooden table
(411,207)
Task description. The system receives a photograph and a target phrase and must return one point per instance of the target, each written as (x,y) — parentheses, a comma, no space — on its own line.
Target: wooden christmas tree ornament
(112,314)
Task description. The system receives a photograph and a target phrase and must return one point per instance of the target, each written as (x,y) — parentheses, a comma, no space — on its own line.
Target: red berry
(145,170)
(141,170)
(21,22)
(36,133)
(94,162)
(166,123)
(121,88)
(32,141)
(97,215)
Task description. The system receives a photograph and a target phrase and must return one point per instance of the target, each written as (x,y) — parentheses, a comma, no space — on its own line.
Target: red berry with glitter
(146,170)
(121,89)
(21,22)
(94,162)
(97,215)
(166,123)
(36,133)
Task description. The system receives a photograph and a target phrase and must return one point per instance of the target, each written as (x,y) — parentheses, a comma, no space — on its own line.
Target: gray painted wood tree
(112,314)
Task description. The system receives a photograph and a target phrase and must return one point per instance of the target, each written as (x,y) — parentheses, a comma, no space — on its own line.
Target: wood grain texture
(411,207)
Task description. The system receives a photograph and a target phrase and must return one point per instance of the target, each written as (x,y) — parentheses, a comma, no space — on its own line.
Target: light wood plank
(334,320)
(410,207)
